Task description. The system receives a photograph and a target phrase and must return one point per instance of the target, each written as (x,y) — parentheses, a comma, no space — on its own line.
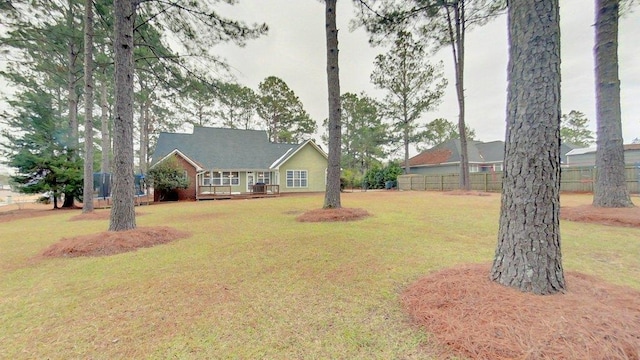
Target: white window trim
(220,177)
(306,179)
(259,177)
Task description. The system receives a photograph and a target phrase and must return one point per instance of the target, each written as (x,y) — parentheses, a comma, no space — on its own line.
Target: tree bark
(332,194)
(87,193)
(610,188)
(456,27)
(405,135)
(72,57)
(528,255)
(144,134)
(122,209)
(71,82)
(465,181)
(105,166)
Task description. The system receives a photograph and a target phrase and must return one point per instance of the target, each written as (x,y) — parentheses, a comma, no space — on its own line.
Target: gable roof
(225,149)
(290,153)
(449,152)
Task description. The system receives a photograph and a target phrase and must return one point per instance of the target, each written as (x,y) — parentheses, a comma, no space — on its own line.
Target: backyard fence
(574,179)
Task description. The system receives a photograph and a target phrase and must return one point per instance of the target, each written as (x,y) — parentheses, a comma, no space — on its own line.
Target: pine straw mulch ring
(329,215)
(474,317)
(608,216)
(113,242)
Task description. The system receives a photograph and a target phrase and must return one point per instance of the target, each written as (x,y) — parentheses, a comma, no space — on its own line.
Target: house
(483,157)
(220,161)
(586,157)
(445,158)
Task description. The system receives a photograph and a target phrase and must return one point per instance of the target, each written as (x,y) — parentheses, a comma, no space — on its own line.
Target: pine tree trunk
(122,209)
(465,181)
(528,255)
(72,57)
(405,135)
(332,194)
(610,188)
(142,124)
(87,194)
(105,166)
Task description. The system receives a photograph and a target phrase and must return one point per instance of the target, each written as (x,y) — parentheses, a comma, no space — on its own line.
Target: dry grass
(253,282)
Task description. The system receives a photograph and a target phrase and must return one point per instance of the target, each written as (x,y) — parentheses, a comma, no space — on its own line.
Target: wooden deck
(217,192)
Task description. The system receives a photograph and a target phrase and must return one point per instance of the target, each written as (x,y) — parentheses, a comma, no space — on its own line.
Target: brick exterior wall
(188,193)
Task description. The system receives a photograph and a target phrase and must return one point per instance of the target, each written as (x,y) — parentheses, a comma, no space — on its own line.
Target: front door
(251,180)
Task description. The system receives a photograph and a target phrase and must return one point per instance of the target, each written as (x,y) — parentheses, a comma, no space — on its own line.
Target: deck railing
(214,190)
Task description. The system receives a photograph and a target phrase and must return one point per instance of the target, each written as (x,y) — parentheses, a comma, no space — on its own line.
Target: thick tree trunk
(122,209)
(87,194)
(105,166)
(528,255)
(332,194)
(610,188)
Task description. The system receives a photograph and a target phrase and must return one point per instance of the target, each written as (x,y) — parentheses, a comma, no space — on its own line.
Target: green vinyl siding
(309,159)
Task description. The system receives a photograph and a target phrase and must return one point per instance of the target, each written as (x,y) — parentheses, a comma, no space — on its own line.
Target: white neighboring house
(586,157)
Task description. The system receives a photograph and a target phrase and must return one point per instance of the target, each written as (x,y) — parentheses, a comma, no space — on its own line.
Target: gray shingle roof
(223,149)
(492,151)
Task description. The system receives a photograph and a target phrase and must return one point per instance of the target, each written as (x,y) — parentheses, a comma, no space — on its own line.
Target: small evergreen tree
(37,147)
(573,129)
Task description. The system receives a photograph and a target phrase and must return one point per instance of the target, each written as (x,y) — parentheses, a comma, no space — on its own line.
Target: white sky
(295,51)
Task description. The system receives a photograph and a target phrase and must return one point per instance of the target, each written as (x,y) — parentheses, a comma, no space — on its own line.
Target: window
(296,178)
(221,178)
(206,179)
(263,177)
(474,168)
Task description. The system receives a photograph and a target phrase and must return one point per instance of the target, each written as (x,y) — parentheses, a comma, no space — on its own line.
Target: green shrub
(167,177)
(376,177)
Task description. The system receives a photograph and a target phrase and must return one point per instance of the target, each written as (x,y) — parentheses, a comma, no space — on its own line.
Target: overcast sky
(295,51)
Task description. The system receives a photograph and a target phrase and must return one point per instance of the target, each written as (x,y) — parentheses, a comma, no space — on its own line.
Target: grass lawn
(253,283)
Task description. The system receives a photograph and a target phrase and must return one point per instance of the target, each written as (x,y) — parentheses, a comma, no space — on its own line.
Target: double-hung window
(297,178)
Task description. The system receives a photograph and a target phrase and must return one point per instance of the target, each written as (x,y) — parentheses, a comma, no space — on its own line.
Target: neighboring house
(217,160)
(483,157)
(445,158)
(587,156)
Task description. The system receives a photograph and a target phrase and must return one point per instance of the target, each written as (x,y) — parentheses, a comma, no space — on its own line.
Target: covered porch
(234,184)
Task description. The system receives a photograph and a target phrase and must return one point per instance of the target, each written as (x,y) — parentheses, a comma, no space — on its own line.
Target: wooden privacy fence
(574,179)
